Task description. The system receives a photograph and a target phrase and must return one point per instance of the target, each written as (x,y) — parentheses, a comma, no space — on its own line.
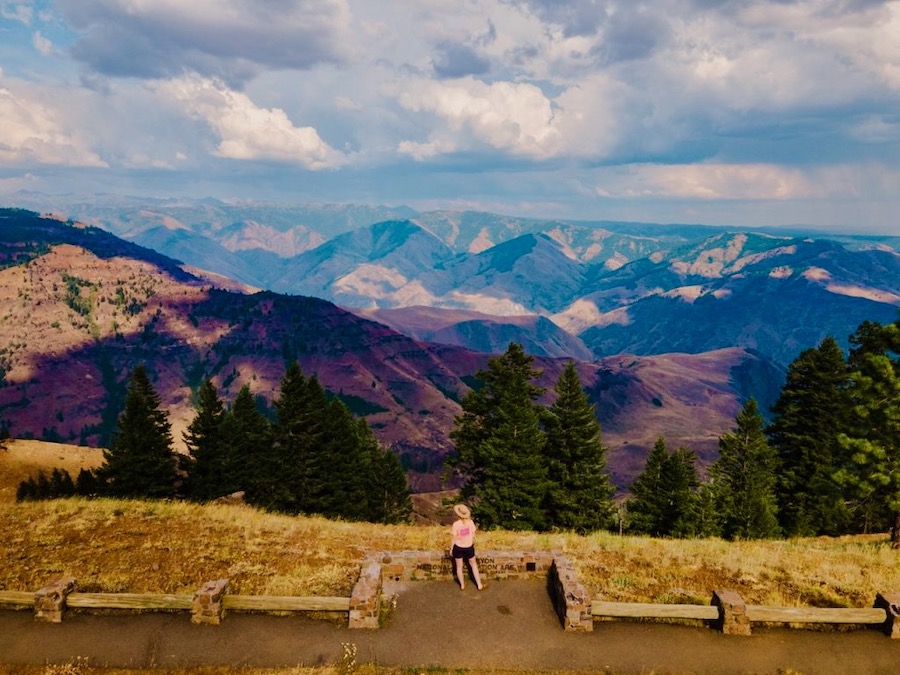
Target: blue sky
(734,112)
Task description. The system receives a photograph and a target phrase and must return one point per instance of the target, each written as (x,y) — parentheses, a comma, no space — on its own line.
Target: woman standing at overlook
(462,546)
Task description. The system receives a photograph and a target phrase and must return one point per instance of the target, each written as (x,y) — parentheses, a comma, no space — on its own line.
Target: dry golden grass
(80,668)
(173,547)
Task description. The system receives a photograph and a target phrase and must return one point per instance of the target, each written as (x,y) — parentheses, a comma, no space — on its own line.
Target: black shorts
(466,553)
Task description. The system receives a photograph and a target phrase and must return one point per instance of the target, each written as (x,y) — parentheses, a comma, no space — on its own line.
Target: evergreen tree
(873,435)
(810,413)
(388,494)
(250,465)
(499,445)
(340,466)
(27,490)
(140,461)
(86,483)
(680,483)
(744,479)
(61,484)
(298,432)
(649,501)
(709,522)
(206,446)
(664,500)
(579,496)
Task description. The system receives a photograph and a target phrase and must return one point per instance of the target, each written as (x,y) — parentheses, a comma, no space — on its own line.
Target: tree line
(827,464)
(314,457)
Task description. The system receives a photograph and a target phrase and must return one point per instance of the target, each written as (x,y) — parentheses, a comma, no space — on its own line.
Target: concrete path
(510,624)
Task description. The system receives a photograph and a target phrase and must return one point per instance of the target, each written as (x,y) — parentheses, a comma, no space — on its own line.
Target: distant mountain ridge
(634,287)
(82,308)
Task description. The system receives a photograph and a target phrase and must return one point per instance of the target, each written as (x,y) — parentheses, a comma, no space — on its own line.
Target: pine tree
(709,522)
(873,435)
(680,483)
(340,466)
(664,501)
(810,413)
(388,494)
(499,445)
(579,496)
(140,461)
(744,479)
(86,484)
(298,432)
(648,502)
(204,441)
(250,465)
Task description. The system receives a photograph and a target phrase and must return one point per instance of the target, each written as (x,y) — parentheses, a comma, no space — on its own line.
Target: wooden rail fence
(206,606)
(572,602)
(728,610)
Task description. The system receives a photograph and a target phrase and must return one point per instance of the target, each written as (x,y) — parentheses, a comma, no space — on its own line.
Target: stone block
(365,600)
(207,607)
(733,619)
(571,599)
(890,603)
(50,601)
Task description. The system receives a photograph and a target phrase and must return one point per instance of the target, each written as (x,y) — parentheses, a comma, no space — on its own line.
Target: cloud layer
(747,112)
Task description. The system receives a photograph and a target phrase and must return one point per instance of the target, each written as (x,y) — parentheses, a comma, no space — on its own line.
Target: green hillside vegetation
(314,457)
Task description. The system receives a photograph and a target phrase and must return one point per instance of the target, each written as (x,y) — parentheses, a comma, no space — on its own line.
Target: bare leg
(475,573)
(459,572)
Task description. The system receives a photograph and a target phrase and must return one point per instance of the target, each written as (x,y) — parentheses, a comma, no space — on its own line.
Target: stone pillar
(733,619)
(890,603)
(208,606)
(365,600)
(50,601)
(570,598)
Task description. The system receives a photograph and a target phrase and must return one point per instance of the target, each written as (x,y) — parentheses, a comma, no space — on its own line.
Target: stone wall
(570,599)
(438,566)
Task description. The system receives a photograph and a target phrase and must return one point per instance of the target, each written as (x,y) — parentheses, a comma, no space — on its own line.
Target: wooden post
(50,601)
(890,603)
(207,606)
(733,619)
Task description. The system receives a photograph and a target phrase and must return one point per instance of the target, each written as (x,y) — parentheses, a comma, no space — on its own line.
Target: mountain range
(82,307)
(586,290)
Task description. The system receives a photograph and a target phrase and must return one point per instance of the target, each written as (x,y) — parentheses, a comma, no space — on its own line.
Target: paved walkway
(510,624)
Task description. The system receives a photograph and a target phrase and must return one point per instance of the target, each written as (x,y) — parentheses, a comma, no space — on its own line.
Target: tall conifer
(206,447)
(873,436)
(664,498)
(580,493)
(744,478)
(499,445)
(811,411)
(250,464)
(140,461)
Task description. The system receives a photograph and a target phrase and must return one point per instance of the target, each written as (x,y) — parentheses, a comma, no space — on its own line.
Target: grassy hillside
(24,458)
(173,547)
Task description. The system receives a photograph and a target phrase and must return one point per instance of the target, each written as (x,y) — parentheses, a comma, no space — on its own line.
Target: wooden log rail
(181,602)
(836,615)
(756,613)
(646,610)
(732,616)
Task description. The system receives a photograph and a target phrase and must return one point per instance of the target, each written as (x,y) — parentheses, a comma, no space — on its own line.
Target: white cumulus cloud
(247,131)
(510,116)
(35,132)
